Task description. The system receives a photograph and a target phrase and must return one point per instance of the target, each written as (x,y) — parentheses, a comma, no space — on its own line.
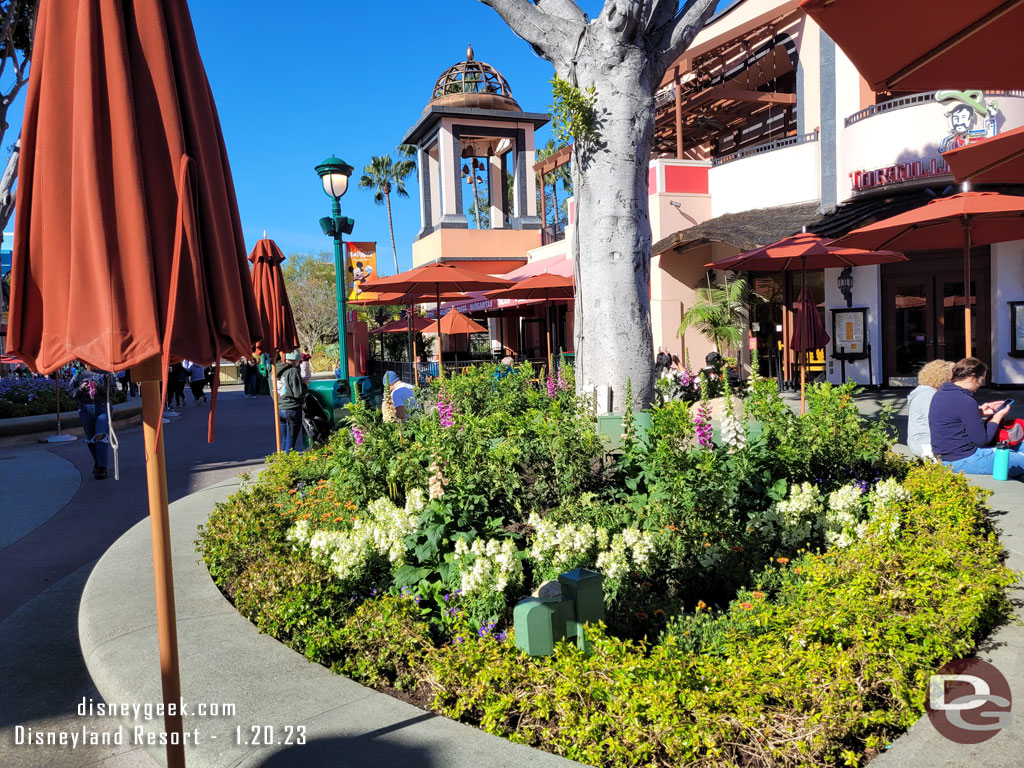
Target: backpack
(314,419)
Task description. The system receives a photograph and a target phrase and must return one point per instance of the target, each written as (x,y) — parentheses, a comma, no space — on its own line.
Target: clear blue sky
(296,82)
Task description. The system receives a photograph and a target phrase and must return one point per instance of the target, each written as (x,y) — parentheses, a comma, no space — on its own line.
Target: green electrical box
(585,589)
(333,396)
(610,427)
(540,623)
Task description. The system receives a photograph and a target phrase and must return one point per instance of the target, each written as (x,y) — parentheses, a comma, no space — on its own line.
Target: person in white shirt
(402,395)
(306,368)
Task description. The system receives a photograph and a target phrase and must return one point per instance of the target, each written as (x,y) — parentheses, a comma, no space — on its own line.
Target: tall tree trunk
(391,229)
(7,186)
(622,54)
(613,305)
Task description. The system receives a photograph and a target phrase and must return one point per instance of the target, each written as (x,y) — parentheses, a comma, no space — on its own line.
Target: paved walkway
(57,521)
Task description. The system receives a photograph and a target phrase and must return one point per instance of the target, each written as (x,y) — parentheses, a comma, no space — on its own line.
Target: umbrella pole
(803,337)
(277,412)
(148,375)
(967,286)
(440,348)
(547,311)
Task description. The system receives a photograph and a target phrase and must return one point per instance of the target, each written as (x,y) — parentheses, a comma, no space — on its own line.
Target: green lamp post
(334,173)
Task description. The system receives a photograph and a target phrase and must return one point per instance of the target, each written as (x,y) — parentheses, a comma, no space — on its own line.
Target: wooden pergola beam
(555,161)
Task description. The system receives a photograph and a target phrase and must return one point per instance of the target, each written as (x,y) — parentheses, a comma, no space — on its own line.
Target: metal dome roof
(473,84)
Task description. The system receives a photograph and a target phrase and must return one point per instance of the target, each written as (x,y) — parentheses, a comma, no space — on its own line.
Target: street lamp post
(334,173)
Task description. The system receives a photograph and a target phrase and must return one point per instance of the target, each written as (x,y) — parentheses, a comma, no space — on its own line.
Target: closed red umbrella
(921,45)
(970,218)
(128,248)
(435,278)
(809,331)
(279,332)
(998,160)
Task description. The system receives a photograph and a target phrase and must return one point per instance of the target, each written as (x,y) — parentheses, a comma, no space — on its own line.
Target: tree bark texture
(623,54)
(391,229)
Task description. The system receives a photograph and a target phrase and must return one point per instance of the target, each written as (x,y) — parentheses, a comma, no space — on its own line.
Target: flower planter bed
(777,599)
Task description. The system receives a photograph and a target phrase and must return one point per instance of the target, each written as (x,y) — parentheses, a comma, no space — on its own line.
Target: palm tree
(720,313)
(562,173)
(384,176)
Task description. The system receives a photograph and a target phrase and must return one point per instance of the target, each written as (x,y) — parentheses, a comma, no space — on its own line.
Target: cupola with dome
(474,142)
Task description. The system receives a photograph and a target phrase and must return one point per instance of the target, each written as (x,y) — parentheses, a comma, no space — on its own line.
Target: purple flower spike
(357,435)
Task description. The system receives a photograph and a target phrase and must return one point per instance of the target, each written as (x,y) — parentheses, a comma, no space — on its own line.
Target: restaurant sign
(966,110)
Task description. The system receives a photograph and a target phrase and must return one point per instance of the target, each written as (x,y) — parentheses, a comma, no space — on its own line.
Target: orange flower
(783,560)
(659,613)
(798,570)
(701,605)
(670,528)
(339,519)
(641,615)
(759,595)
(646,585)
(747,606)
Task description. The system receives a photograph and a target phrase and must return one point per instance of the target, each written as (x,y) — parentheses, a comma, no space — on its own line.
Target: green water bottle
(1001,463)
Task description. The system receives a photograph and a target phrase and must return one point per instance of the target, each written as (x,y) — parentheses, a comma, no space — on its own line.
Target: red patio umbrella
(454,322)
(435,278)
(800,252)
(279,332)
(128,248)
(808,328)
(971,218)
(998,160)
(921,45)
(545,286)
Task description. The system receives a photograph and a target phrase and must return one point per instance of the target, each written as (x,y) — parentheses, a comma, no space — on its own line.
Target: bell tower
(475,152)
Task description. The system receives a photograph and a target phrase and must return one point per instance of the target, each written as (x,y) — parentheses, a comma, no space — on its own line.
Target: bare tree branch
(566,9)
(550,35)
(675,38)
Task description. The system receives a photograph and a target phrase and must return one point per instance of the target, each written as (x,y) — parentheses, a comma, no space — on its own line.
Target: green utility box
(541,622)
(609,427)
(333,396)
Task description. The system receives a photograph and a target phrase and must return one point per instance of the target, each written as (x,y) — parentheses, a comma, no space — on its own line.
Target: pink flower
(445,409)
(357,435)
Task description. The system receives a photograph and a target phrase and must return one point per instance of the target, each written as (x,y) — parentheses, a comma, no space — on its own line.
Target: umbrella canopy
(916,45)
(402,326)
(998,160)
(809,331)
(279,333)
(128,242)
(431,279)
(971,218)
(408,299)
(455,322)
(804,251)
(941,223)
(543,286)
(435,278)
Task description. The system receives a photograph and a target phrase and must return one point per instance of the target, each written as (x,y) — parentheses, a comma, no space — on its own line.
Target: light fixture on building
(845,283)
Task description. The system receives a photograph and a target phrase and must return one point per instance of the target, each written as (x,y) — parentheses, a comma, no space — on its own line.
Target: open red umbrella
(921,45)
(279,332)
(545,286)
(435,278)
(454,322)
(128,248)
(970,218)
(998,160)
(804,251)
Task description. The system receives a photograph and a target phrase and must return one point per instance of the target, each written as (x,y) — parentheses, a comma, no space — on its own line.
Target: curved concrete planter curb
(226,661)
(47,422)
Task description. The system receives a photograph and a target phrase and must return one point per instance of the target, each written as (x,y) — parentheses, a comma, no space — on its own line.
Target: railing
(909,101)
(552,233)
(760,149)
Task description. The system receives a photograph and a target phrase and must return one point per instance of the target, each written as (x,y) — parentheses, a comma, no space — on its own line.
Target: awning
(476,301)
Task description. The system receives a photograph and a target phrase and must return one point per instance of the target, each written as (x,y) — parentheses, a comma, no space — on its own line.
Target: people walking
(197,380)
(306,368)
(91,387)
(176,381)
(291,392)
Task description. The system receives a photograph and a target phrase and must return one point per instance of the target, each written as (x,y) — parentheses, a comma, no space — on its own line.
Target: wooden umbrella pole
(148,375)
(967,285)
(803,335)
(277,412)
(547,312)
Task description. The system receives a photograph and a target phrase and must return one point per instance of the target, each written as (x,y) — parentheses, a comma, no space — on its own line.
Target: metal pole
(339,289)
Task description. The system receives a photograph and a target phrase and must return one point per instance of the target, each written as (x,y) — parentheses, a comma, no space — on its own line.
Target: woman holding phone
(961,430)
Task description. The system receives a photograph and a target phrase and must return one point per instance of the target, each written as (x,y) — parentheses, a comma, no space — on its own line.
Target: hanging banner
(360,266)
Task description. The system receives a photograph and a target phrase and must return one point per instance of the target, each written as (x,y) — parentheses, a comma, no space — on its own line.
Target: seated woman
(961,430)
(932,376)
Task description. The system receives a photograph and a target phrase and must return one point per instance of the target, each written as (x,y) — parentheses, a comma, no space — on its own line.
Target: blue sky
(296,82)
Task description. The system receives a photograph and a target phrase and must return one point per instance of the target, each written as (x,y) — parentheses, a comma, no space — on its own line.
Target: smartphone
(1007,404)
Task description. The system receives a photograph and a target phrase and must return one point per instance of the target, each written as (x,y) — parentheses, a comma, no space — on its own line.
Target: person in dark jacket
(90,388)
(291,391)
(961,430)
